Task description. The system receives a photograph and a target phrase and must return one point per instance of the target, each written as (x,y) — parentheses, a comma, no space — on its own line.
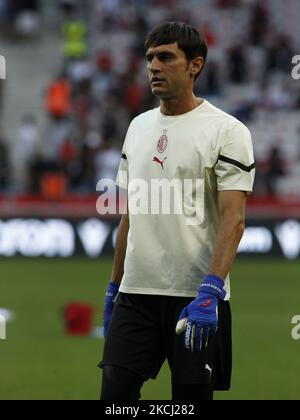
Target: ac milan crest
(163,142)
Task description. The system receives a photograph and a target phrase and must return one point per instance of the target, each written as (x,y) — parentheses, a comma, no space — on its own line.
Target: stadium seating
(248,75)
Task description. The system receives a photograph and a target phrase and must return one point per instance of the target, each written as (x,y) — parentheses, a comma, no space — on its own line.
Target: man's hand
(109,303)
(199,319)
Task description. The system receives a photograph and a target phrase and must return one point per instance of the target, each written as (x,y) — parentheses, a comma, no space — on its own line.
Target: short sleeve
(235,169)
(123,174)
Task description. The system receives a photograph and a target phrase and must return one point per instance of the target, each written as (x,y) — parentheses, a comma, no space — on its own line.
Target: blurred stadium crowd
(101,85)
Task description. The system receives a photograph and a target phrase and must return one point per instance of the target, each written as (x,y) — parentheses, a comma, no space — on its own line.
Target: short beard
(164,96)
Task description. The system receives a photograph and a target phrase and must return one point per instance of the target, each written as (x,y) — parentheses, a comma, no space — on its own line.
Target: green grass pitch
(37,361)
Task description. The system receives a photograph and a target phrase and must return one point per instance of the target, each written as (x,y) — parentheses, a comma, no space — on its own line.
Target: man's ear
(196,66)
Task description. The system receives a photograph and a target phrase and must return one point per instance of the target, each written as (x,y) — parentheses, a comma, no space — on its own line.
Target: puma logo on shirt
(161,162)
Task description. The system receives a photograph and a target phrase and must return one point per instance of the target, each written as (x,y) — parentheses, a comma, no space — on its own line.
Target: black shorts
(141,336)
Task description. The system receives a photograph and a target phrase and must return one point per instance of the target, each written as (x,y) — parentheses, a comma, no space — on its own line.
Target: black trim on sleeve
(238,164)
(124,156)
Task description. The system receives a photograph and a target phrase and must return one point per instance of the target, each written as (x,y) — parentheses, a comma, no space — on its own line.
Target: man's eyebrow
(158,53)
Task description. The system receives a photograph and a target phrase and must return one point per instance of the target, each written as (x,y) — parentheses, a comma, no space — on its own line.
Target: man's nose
(155,65)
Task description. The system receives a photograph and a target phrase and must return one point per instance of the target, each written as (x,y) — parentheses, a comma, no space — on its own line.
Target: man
(173,268)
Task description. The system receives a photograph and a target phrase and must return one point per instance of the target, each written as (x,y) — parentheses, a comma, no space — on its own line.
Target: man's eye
(160,57)
(165,57)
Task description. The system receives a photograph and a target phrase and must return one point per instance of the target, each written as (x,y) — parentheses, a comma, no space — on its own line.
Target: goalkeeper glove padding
(109,303)
(199,320)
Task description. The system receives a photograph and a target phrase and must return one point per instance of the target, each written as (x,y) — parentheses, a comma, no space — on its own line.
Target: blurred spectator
(244,111)
(74,33)
(280,54)
(3,8)
(275,170)
(20,18)
(57,133)
(107,163)
(58,98)
(4,167)
(209,35)
(80,71)
(28,140)
(259,25)
(68,6)
(298,148)
(82,106)
(71,164)
(4,16)
(27,23)
(105,78)
(132,97)
(75,174)
(67,152)
(228,3)
(2,91)
(45,175)
(212,85)
(238,67)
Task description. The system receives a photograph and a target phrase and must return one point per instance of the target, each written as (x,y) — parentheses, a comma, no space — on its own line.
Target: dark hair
(189,40)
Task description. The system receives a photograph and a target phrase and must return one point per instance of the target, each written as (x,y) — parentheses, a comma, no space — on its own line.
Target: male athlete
(169,293)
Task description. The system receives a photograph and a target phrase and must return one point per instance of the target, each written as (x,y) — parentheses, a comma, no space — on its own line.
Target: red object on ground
(78,319)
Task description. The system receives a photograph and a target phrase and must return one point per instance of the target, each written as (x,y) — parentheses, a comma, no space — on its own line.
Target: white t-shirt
(169,250)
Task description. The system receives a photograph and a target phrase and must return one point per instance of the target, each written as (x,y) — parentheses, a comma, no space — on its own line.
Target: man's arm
(232,209)
(121,246)
(199,320)
(118,270)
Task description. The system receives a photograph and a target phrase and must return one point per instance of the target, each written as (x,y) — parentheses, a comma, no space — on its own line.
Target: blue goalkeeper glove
(109,304)
(199,320)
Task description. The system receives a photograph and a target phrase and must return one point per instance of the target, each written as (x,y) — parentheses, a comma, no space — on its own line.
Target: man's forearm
(232,210)
(230,234)
(120,252)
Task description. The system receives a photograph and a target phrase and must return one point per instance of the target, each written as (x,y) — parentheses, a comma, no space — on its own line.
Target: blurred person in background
(3,16)
(4,167)
(68,6)
(28,139)
(74,31)
(279,54)
(58,98)
(107,162)
(275,170)
(27,20)
(259,23)
(28,145)
(238,66)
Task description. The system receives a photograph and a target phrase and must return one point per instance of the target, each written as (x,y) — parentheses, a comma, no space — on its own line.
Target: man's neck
(173,107)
